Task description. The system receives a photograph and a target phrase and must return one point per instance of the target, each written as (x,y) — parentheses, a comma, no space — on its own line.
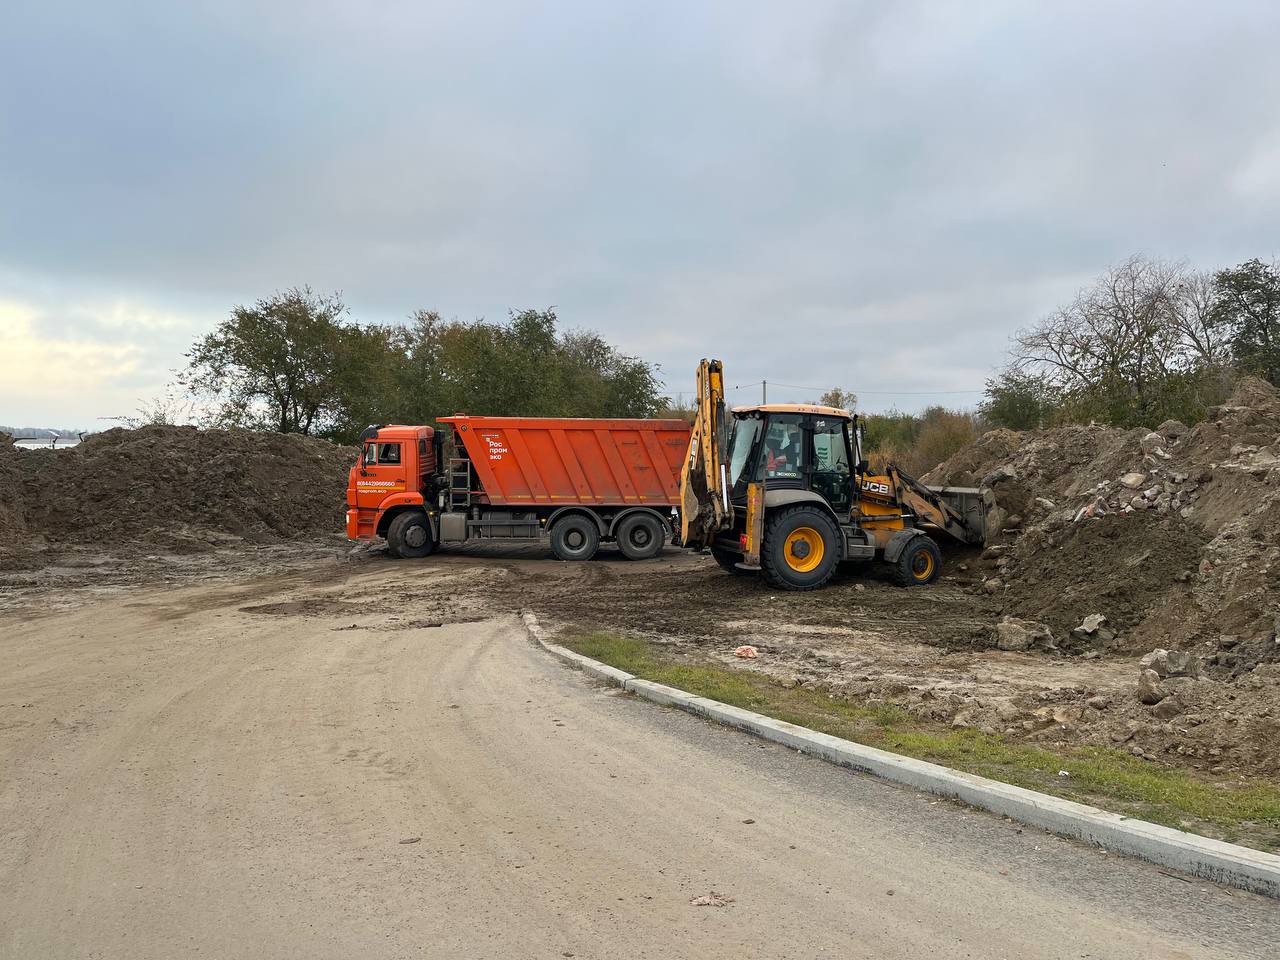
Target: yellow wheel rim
(804,549)
(922,565)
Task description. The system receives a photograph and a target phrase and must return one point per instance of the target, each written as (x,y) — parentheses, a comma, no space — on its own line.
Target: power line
(886,393)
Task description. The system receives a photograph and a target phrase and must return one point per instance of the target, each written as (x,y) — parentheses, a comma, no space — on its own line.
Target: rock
(1152,442)
(1240,449)
(1064,716)
(1167,709)
(994,585)
(861,587)
(1092,622)
(1046,503)
(1149,690)
(1098,702)
(1133,481)
(1015,634)
(1171,663)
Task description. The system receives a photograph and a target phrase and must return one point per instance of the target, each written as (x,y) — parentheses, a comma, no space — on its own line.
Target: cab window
(830,476)
(389,453)
(783,452)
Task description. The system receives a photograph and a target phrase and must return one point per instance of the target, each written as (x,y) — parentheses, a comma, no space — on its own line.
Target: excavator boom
(704,494)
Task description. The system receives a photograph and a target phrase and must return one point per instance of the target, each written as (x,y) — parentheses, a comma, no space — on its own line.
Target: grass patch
(1102,776)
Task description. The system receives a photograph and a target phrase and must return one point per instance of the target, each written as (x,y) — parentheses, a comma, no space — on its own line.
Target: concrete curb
(1214,860)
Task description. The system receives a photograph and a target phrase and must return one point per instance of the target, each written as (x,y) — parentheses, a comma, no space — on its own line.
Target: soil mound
(1172,534)
(180,488)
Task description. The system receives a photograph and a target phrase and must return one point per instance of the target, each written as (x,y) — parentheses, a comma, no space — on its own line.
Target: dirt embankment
(1172,534)
(178,489)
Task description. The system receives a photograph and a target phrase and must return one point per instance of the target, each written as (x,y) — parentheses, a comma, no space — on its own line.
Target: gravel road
(281,769)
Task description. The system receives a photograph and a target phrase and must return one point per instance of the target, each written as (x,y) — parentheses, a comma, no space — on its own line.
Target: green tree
(1246,299)
(838,397)
(276,364)
(1019,401)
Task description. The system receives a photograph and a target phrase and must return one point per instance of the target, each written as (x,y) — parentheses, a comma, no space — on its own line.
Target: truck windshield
(741,443)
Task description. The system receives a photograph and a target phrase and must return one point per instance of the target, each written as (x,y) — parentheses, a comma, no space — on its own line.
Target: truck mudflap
(355,529)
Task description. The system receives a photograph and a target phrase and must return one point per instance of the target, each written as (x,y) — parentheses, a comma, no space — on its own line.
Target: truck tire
(801,548)
(409,535)
(918,563)
(640,536)
(574,538)
(729,561)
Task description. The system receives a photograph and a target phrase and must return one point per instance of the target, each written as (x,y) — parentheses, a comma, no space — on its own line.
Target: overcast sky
(869,195)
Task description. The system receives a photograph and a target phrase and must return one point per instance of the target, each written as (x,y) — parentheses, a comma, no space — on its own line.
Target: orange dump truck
(577,482)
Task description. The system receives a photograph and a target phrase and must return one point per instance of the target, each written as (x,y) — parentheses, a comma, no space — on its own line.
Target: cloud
(837,192)
(79,364)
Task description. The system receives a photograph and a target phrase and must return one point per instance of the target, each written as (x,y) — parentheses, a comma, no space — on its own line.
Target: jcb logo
(875,486)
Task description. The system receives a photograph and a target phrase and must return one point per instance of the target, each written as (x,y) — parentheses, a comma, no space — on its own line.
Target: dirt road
(303,767)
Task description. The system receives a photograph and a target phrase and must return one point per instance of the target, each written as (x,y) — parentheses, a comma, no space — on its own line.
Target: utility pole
(764,391)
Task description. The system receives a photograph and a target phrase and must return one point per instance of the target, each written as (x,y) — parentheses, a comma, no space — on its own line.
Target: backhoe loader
(784,489)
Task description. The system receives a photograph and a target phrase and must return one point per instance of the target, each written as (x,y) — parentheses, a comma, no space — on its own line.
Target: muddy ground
(929,650)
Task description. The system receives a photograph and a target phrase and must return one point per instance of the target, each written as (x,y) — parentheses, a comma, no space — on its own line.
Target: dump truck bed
(523,461)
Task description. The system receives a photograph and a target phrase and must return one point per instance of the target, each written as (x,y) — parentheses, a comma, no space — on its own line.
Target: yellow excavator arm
(704,494)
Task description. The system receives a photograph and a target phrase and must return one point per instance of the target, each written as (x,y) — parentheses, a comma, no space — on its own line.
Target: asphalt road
(180,776)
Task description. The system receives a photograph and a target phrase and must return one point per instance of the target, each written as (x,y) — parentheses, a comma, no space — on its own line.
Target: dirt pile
(179,488)
(1171,534)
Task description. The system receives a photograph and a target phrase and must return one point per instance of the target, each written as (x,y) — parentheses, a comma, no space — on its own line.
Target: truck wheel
(729,561)
(918,564)
(801,548)
(410,535)
(640,536)
(574,538)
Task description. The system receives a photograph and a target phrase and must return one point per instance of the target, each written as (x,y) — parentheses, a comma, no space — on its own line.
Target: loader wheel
(640,536)
(729,561)
(410,535)
(574,538)
(918,564)
(801,548)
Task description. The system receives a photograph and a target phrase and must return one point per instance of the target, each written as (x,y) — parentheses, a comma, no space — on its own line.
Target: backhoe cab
(784,489)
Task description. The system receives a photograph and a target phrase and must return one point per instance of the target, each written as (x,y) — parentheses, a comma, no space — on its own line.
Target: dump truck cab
(395,474)
(785,489)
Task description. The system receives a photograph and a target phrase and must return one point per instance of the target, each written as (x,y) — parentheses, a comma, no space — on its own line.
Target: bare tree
(1202,331)
(1125,346)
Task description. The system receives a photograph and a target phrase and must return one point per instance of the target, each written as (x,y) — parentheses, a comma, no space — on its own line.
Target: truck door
(831,476)
(381,473)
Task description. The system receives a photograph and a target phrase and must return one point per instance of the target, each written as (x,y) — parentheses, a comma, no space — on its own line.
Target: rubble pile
(1162,546)
(1172,535)
(178,488)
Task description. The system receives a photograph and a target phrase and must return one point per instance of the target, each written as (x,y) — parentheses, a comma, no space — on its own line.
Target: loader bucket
(968,503)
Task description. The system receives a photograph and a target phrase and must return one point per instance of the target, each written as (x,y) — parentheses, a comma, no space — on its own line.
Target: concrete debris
(1015,634)
(1094,628)
(1150,691)
(1171,663)
(1167,709)
(1133,481)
